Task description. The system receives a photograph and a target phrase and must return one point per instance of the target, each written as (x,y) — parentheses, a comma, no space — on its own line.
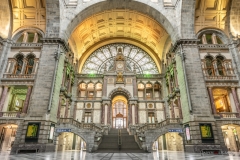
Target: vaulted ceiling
(118,23)
(211,14)
(29,13)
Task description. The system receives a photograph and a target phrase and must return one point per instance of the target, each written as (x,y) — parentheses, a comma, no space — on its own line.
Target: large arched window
(220,66)
(30,63)
(209,65)
(19,64)
(103,58)
(29,37)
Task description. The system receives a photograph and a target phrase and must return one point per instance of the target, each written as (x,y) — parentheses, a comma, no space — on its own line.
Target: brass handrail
(119,139)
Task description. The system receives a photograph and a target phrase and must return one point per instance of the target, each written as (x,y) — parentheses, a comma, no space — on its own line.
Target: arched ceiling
(29,13)
(118,23)
(211,14)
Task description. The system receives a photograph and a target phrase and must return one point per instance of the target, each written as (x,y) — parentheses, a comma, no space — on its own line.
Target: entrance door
(119,112)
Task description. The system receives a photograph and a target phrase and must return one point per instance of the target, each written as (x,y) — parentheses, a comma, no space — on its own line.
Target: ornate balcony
(233,77)
(9,114)
(228,115)
(19,76)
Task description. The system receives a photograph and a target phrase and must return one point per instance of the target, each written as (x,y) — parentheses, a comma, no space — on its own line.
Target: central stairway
(110,143)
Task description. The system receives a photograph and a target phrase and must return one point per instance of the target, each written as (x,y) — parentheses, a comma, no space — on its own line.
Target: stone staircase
(110,143)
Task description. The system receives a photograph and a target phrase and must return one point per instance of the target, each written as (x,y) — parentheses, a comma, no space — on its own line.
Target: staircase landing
(109,143)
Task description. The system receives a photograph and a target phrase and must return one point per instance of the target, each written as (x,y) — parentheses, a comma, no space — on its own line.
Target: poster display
(206,132)
(32,132)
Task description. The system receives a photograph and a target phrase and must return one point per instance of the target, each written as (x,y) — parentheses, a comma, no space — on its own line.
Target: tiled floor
(77,155)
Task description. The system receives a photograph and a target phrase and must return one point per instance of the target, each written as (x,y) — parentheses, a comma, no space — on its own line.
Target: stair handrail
(119,139)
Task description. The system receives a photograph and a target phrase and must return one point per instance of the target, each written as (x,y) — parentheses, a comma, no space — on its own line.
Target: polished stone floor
(78,155)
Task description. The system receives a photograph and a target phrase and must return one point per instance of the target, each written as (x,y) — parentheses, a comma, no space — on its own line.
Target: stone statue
(119,77)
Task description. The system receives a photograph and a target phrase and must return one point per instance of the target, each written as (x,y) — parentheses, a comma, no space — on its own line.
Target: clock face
(119,65)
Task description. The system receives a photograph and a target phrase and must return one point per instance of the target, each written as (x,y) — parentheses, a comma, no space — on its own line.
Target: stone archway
(119,91)
(152,135)
(86,135)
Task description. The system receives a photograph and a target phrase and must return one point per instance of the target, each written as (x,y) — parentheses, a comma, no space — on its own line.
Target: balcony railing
(228,115)
(166,122)
(9,114)
(19,76)
(88,126)
(233,77)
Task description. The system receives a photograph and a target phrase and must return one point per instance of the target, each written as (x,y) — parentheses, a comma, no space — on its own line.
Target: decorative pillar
(66,109)
(104,92)
(212,101)
(134,87)
(172,110)
(179,106)
(59,107)
(136,114)
(35,65)
(24,66)
(74,111)
(103,114)
(133,114)
(64,75)
(215,68)
(235,98)
(109,114)
(175,76)
(3,97)
(130,114)
(26,102)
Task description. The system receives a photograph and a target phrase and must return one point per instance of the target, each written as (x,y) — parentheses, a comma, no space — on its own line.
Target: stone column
(59,107)
(35,65)
(24,66)
(109,113)
(66,109)
(212,101)
(26,102)
(175,76)
(64,75)
(235,98)
(103,114)
(104,87)
(172,110)
(74,111)
(133,114)
(136,114)
(134,87)
(130,114)
(3,97)
(179,107)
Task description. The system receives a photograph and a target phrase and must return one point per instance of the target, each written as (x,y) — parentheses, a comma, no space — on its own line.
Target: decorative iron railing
(88,126)
(166,122)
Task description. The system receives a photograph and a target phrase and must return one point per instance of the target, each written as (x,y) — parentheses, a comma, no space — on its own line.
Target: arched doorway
(119,112)
(7,136)
(231,134)
(70,141)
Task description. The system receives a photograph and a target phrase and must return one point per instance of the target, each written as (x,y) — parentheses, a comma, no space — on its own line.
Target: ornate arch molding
(21,30)
(141,7)
(119,91)
(218,32)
